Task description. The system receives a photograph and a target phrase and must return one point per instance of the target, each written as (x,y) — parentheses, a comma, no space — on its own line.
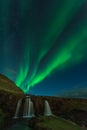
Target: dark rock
(71,109)
(9,96)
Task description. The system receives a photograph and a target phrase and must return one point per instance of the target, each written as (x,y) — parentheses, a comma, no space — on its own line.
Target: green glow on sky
(24,68)
(64,56)
(71,53)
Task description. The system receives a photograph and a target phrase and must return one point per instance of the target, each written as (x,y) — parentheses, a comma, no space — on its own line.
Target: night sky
(43,46)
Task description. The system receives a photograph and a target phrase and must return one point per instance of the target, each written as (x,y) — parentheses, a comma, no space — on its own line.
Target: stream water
(19,126)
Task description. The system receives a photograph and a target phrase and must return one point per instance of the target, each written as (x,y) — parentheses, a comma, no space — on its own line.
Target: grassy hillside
(8,86)
(56,123)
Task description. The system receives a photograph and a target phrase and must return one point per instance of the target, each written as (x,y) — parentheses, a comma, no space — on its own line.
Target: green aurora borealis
(51,36)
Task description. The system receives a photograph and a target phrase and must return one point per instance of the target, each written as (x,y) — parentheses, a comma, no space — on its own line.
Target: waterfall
(17,108)
(47,111)
(28,108)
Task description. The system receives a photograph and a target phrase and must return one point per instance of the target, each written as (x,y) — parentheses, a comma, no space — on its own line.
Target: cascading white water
(28,108)
(17,108)
(47,111)
(26,104)
(31,109)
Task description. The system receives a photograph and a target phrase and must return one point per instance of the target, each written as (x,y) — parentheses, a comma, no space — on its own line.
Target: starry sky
(43,46)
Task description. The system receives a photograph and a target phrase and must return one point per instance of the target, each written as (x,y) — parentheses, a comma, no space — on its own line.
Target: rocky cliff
(9,95)
(72,109)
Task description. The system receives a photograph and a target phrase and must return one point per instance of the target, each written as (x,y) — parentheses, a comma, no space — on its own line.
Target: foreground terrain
(56,123)
(74,110)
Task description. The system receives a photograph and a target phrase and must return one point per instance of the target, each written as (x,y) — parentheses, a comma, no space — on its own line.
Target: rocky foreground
(74,110)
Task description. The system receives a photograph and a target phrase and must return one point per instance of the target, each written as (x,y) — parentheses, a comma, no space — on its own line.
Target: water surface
(19,126)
